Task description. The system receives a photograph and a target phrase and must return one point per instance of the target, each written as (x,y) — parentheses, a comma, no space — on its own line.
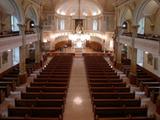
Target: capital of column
(22,27)
(119,29)
(134,28)
(38,28)
(152,26)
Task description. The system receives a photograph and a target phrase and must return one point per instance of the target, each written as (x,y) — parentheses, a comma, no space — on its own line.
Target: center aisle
(78,103)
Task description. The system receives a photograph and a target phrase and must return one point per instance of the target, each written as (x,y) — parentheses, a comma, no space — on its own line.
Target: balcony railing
(13,33)
(11,42)
(149,43)
(154,37)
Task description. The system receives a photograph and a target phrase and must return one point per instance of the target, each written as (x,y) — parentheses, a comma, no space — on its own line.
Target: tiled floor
(78,103)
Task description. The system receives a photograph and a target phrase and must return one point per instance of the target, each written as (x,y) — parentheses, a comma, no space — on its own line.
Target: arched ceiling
(151,8)
(6,7)
(88,5)
(78,7)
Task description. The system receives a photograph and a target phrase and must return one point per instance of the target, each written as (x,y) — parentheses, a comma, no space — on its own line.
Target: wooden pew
(46,89)
(51,80)
(12,85)
(43,95)
(6,89)
(148,89)
(116,102)
(43,112)
(29,118)
(39,102)
(154,95)
(106,80)
(112,95)
(104,112)
(107,84)
(148,84)
(2,96)
(50,84)
(103,77)
(109,89)
(12,79)
(128,118)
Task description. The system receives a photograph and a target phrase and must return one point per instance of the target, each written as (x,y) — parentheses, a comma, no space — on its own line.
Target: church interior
(79,60)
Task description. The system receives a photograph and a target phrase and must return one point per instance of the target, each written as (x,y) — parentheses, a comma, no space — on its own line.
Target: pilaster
(22,64)
(133,69)
(38,51)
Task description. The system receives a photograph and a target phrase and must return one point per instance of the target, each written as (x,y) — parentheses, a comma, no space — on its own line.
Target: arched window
(95,25)
(14,23)
(15,56)
(141,26)
(62,25)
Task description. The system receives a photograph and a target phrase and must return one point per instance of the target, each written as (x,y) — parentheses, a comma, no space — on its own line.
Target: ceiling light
(63,13)
(146,52)
(72,14)
(85,14)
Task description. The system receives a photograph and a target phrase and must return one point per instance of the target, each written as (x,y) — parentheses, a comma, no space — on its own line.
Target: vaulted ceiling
(51,5)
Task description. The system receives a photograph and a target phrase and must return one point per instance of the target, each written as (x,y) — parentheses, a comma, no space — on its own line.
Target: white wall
(8,64)
(151,67)
(140,57)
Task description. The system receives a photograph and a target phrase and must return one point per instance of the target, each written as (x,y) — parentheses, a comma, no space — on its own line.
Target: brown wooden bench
(51,80)
(148,84)
(109,89)
(6,89)
(43,112)
(154,95)
(39,102)
(46,89)
(116,102)
(8,83)
(102,77)
(107,84)
(2,96)
(105,80)
(128,118)
(50,84)
(29,118)
(43,95)
(112,95)
(149,89)
(104,112)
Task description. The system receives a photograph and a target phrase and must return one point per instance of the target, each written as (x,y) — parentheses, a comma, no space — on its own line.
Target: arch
(32,13)
(126,11)
(94,45)
(61,44)
(16,7)
(140,8)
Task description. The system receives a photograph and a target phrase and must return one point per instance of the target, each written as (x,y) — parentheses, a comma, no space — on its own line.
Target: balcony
(11,42)
(144,42)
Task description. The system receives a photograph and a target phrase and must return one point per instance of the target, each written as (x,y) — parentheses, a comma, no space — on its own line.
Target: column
(119,55)
(133,69)
(22,63)
(38,46)
(27,51)
(128,52)
(118,48)
(152,26)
